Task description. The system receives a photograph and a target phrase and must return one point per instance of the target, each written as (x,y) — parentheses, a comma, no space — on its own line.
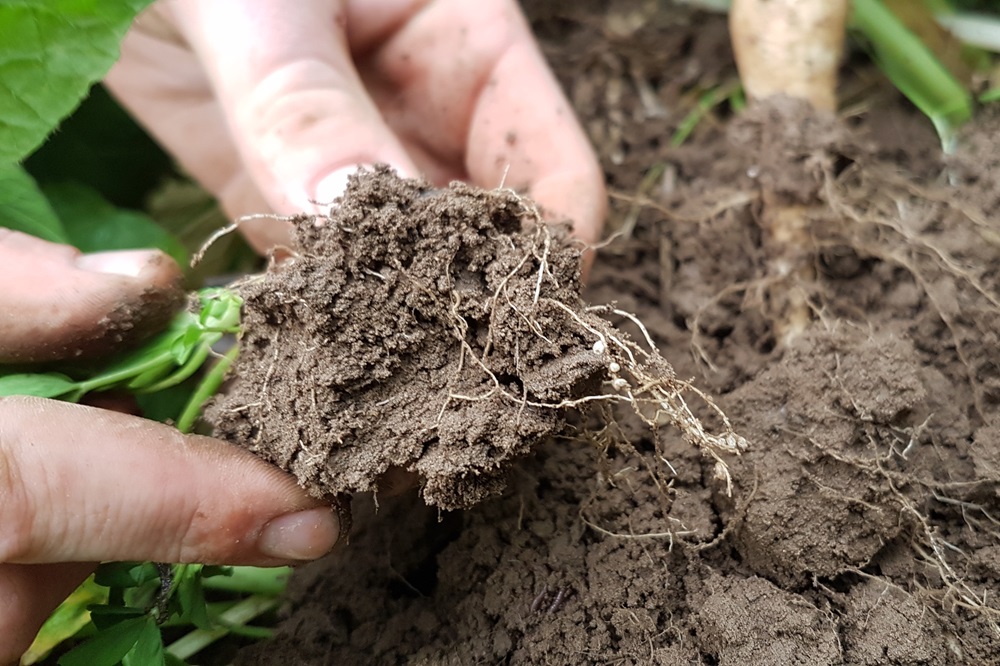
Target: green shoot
(165,361)
(120,610)
(731,92)
(914,69)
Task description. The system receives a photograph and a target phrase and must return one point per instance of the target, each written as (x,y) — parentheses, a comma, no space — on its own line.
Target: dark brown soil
(437,331)
(402,334)
(864,521)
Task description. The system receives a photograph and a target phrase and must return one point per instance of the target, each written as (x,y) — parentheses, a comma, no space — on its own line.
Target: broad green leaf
(101,146)
(40,385)
(50,54)
(148,650)
(191,596)
(125,574)
(108,646)
(23,207)
(107,615)
(94,225)
(69,618)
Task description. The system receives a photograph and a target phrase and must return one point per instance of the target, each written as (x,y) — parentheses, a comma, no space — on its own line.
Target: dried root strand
(635,375)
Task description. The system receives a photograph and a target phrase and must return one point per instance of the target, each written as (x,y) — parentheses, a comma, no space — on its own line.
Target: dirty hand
(270,104)
(79,485)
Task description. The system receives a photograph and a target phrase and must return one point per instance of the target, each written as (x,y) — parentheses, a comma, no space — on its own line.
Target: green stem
(913,68)
(251,580)
(206,389)
(101,381)
(239,615)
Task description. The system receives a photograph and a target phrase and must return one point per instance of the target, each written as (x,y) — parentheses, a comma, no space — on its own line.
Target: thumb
(56,303)
(300,115)
(131,489)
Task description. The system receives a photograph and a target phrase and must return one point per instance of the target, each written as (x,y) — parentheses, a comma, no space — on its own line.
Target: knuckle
(16,514)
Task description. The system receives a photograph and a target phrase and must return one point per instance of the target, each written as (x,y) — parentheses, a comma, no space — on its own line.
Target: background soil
(862,528)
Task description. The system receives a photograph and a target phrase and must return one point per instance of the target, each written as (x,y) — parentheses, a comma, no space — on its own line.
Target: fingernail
(119,262)
(333,186)
(305,535)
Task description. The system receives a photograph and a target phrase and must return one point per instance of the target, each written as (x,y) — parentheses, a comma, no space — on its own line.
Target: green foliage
(913,68)
(50,54)
(77,215)
(163,362)
(25,208)
(110,645)
(93,225)
(101,147)
(140,597)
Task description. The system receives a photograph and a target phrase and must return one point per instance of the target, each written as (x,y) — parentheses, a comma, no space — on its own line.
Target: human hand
(80,485)
(271,104)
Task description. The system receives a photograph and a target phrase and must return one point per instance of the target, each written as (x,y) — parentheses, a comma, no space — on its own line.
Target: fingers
(80,484)
(161,81)
(523,129)
(300,115)
(478,92)
(56,303)
(28,593)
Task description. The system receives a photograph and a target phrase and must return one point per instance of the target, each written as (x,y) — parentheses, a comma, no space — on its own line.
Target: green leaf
(94,225)
(105,615)
(25,207)
(108,646)
(102,147)
(50,54)
(40,385)
(913,68)
(148,650)
(69,618)
(125,574)
(191,596)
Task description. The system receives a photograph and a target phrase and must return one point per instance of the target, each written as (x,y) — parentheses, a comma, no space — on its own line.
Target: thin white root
(230,228)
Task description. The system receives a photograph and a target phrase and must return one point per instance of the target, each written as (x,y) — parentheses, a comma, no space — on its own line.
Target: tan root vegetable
(792,48)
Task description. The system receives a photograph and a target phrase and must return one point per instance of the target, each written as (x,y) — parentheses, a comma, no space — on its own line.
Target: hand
(79,485)
(270,104)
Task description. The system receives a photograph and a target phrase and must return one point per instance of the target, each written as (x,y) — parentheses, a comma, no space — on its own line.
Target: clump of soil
(440,331)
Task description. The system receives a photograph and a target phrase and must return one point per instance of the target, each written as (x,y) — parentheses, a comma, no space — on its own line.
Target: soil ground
(864,522)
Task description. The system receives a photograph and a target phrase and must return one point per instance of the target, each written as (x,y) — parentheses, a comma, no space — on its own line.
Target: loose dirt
(863,525)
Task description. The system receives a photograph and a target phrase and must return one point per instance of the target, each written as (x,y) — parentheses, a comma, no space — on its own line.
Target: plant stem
(251,580)
(913,68)
(239,615)
(206,389)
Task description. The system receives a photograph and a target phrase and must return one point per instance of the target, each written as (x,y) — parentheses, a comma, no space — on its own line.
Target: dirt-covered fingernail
(305,535)
(129,263)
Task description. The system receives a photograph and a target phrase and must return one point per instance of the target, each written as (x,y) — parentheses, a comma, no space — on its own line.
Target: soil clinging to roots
(440,331)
